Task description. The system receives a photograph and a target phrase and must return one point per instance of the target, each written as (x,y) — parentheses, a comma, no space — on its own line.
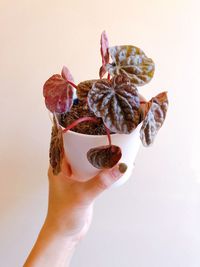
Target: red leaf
(58,94)
(66,74)
(104,53)
(104,157)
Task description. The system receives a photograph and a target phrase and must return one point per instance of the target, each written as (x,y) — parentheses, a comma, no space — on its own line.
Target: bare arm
(69,215)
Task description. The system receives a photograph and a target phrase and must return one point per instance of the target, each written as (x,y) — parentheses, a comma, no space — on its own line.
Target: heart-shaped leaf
(157,109)
(83,88)
(131,61)
(104,53)
(104,157)
(66,74)
(116,102)
(58,94)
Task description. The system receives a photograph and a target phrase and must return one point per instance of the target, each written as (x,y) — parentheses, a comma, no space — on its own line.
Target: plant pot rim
(85,135)
(96,136)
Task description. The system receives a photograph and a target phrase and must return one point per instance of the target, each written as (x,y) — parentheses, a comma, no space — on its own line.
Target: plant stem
(108,76)
(73,124)
(72,84)
(108,134)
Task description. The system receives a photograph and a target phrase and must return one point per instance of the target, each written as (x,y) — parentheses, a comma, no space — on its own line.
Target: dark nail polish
(122,167)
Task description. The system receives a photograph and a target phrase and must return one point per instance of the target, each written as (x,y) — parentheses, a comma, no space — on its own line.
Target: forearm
(51,249)
(69,216)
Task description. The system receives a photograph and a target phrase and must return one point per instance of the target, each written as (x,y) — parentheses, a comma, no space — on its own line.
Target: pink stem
(108,76)
(72,84)
(79,121)
(108,134)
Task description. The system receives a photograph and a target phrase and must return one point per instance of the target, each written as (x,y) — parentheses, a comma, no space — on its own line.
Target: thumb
(103,181)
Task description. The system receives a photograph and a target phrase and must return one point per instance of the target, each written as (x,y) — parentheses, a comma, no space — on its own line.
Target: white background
(153,220)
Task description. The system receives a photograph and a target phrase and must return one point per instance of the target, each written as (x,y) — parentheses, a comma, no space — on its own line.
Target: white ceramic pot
(76,146)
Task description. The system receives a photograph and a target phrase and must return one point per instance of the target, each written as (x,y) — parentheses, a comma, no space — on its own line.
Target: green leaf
(132,62)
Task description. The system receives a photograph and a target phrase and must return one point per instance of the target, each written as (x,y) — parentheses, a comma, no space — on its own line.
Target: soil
(80,110)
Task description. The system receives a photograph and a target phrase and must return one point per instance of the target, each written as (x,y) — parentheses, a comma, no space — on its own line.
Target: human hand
(71,202)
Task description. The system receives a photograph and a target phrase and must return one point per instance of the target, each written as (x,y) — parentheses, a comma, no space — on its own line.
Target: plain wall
(154,219)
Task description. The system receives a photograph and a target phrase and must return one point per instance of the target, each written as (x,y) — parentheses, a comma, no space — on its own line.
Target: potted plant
(108,108)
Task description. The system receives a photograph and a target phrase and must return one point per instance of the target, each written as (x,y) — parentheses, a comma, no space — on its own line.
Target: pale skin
(69,215)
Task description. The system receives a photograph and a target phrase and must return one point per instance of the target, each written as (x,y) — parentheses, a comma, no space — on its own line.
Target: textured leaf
(104,54)
(102,71)
(56,150)
(131,61)
(104,157)
(157,109)
(116,102)
(66,74)
(83,88)
(58,94)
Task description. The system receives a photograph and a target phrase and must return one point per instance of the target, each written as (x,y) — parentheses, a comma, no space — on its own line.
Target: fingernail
(122,167)
(118,170)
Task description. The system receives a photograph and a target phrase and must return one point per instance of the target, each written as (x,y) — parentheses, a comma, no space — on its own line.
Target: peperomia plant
(114,100)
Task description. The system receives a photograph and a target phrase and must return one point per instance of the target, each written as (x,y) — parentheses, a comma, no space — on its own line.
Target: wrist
(71,224)
(52,248)
(58,230)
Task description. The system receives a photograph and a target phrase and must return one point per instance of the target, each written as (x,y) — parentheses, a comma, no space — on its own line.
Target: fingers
(103,181)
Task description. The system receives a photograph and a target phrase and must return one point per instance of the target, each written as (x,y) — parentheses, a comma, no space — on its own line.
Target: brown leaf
(116,102)
(154,119)
(132,62)
(56,150)
(83,88)
(104,157)
(102,71)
